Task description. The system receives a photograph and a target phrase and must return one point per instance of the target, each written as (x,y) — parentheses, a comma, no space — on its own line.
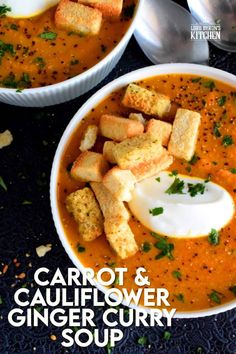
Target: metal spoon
(164,34)
(222,12)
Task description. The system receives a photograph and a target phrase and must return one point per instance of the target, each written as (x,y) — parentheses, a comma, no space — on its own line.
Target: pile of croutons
(85,16)
(138,148)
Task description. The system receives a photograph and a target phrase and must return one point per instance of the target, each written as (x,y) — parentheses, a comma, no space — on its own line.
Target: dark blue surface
(25,167)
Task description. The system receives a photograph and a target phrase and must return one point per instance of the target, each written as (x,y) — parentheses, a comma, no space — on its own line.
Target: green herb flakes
(216,131)
(164,246)
(233,289)
(194,189)
(213,237)
(109,348)
(176,187)
(221,101)
(227,140)
(173,173)
(3,184)
(194,159)
(167,335)
(158,179)
(4,10)
(143,340)
(196,79)
(80,248)
(209,84)
(74,62)
(156,211)
(215,296)
(233,170)
(177,274)
(146,246)
(180,297)
(40,62)
(48,35)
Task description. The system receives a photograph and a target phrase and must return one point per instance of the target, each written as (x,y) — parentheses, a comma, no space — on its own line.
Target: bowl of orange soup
(145,175)
(54,51)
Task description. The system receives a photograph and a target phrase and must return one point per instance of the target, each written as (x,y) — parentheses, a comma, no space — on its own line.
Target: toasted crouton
(89,166)
(109,8)
(108,151)
(138,117)
(184,134)
(160,129)
(78,18)
(111,207)
(6,139)
(136,150)
(152,167)
(147,101)
(120,237)
(89,138)
(120,183)
(119,128)
(86,212)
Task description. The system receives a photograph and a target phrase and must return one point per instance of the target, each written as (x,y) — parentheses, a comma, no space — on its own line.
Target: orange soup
(199,274)
(35,53)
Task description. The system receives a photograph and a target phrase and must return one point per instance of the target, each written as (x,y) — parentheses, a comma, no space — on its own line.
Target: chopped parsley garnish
(194,159)
(158,179)
(216,296)
(111,264)
(6,48)
(109,348)
(216,131)
(180,297)
(221,101)
(194,189)
(146,246)
(4,10)
(3,184)
(14,27)
(48,35)
(156,211)
(173,173)
(176,187)
(24,81)
(143,340)
(74,62)
(209,84)
(196,79)
(227,140)
(213,237)
(233,170)
(80,248)
(40,62)
(163,245)
(233,289)
(117,280)
(177,274)
(167,335)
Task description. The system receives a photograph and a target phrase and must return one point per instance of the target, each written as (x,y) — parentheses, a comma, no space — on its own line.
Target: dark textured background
(25,167)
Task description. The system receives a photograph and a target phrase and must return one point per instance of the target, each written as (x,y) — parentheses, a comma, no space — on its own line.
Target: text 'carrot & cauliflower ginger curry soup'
(46,42)
(149,179)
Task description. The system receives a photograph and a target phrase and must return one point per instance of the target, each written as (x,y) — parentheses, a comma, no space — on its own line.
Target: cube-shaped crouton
(160,129)
(119,128)
(152,167)
(86,212)
(138,117)
(136,150)
(108,151)
(109,8)
(111,207)
(78,18)
(147,101)
(184,134)
(89,138)
(120,237)
(89,166)
(120,183)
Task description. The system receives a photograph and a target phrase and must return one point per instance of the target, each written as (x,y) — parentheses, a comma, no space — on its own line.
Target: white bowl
(85,109)
(74,87)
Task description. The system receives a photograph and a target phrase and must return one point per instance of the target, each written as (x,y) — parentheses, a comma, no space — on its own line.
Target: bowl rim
(95,68)
(143,73)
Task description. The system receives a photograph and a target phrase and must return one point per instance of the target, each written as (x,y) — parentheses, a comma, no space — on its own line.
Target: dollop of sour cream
(181,215)
(27,8)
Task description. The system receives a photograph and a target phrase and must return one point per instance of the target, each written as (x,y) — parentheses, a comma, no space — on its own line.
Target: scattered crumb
(27,255)
(53,337)
(20,276)
(6,139)
(42,250)
(5,268)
